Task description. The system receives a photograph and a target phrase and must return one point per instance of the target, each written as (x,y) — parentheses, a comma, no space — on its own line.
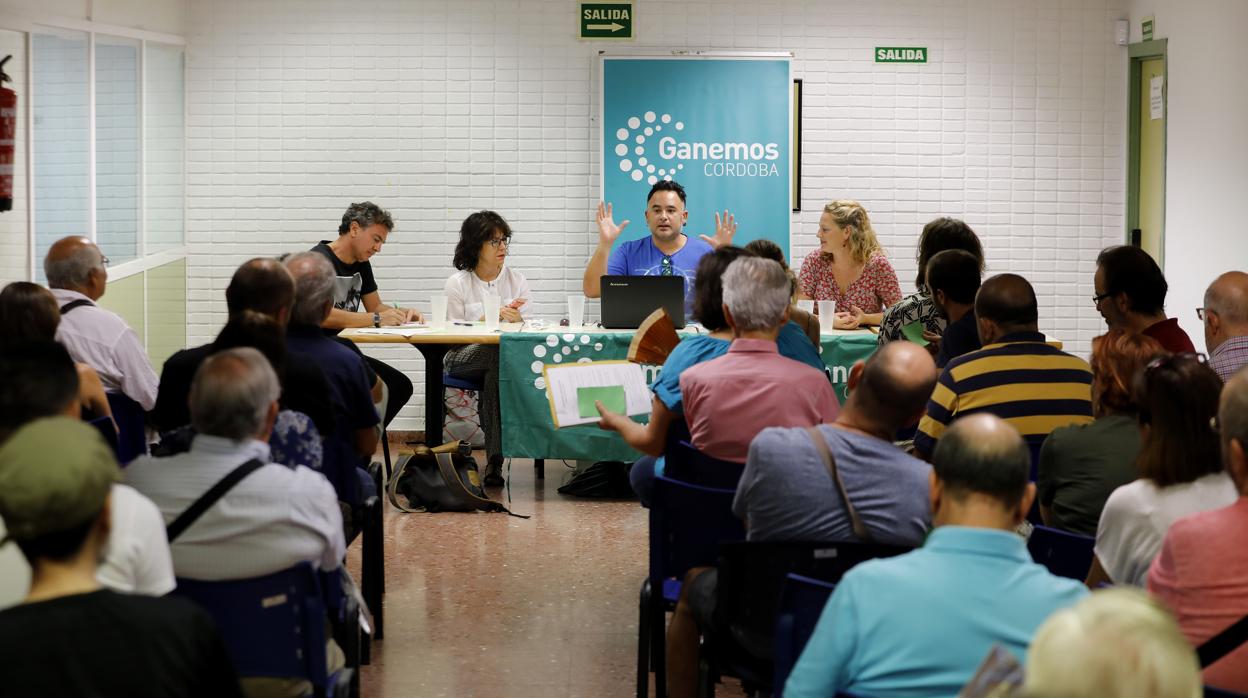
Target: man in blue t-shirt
(667,251)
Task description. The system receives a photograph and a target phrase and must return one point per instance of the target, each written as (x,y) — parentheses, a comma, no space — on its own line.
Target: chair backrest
(808,322)
(1064,554)
(104,425)
(801,603)
(132,431)
(272,625)
(685,463)
(752,577)
(687,524)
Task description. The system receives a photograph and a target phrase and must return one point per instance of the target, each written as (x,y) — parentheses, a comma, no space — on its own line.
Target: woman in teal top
(708,307)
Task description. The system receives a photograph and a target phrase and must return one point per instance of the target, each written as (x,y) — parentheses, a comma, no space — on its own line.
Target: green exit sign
(900,54)
(606,20)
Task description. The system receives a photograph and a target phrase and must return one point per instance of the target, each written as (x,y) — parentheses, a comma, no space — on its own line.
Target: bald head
(74,263)
(892,387)
(1005,303)
(261,285)
(1227,297)
(981,454)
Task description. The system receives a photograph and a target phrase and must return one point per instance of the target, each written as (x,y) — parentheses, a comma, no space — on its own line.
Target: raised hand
(608,231)
(725,230)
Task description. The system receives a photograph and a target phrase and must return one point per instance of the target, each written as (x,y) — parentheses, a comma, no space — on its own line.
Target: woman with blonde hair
(849,268)
(1116,642)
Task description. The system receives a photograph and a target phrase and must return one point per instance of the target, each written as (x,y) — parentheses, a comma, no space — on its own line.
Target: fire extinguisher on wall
(8,138)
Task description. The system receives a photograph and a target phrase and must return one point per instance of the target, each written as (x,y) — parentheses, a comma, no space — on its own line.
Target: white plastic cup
(827,311)
(576,311)
(438,318)
(807,305)
(493,303)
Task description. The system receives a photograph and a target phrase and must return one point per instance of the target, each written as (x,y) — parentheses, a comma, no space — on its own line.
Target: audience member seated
(1226,323)
(1116,643)
(667,405)
(480,256)
(260,285)
(355,433)
(954,277)
(1080,465)
(937,236)
(919,624)
(1032,385)
(29,312)
(37,380)
(1180,469)
(78,275)
(71,637)
(1131,294)
(806,321)
(731,398)
(1202,570)
(786,491)
(295,439)
(849,268)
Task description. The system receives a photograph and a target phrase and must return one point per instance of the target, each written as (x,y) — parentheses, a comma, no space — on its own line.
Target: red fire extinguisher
(8,138)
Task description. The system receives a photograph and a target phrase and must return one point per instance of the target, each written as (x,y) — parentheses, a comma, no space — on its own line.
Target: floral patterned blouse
(916,306)
(875,289)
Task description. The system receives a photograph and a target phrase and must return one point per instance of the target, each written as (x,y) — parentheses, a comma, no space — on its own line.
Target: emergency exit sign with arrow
(606,20)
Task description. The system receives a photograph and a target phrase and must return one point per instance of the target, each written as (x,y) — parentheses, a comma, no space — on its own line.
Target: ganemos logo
(717,159)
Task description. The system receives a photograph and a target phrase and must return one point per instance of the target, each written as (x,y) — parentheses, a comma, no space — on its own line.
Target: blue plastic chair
(132,430)
(273,625)
(1064,554)
(801,603)
(688,464)
(104,425)
(687,524)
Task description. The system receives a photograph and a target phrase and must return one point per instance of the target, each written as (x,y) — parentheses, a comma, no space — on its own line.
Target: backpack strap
(207,499)
(1223,643)
(821,445)
(75,304)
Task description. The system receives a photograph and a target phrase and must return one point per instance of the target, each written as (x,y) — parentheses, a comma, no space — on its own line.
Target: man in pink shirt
(1202,570)
(728,400)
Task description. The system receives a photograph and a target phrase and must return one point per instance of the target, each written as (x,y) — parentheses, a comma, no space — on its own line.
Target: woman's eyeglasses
(500,242)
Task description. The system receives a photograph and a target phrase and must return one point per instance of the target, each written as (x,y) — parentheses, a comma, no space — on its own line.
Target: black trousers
(399,386)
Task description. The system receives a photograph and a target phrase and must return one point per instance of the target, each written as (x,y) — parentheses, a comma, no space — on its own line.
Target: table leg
(434,391)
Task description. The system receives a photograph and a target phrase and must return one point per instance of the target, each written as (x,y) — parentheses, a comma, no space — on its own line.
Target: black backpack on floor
(437,479)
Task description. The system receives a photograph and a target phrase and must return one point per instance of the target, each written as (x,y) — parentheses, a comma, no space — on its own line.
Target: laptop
(628,300)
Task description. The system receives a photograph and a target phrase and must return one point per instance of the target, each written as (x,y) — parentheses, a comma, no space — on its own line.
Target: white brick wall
(437,109)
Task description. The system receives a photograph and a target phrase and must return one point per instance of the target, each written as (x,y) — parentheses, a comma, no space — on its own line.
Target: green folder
(914,333)
(612,397)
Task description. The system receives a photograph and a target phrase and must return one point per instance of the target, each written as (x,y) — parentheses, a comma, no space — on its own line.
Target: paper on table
(612,397)
(563,384)
(914,333)
(405,331)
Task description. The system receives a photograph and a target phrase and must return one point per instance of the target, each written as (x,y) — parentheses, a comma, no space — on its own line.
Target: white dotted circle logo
(640,129)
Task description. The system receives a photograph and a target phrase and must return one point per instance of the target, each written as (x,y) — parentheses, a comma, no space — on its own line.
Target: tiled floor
(492,605)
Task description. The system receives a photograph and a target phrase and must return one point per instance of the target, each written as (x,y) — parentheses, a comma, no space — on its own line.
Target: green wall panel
(125,297)
(166,311)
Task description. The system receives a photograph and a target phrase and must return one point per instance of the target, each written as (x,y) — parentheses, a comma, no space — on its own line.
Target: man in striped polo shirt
(1032,385)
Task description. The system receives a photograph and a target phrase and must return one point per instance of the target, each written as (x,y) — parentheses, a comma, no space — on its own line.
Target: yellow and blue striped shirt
(1034,386)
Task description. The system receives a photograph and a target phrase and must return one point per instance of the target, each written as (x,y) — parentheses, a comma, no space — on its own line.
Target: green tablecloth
(528,431)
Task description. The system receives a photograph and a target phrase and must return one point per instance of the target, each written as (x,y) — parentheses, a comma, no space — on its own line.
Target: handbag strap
(821,445)
(1223,643)
(207,499)
(74,304)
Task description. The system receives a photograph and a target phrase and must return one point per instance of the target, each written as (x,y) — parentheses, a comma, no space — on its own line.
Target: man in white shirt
(273,518)
(99,338)
(38,379)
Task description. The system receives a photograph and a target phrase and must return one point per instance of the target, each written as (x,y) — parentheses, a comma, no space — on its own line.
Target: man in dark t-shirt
(357,301)
(71,637)
(954,277)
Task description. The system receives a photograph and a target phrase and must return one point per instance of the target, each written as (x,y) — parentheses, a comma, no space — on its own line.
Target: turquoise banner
(529,432)
(719,126)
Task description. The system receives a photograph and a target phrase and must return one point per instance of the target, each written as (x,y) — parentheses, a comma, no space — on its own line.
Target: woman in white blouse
(480,257)
(1180,467)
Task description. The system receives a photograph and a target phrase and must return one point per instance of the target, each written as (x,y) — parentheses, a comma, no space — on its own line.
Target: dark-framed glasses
(1096,300)
(500,242)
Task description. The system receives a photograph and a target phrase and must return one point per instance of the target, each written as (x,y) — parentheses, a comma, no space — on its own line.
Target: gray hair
(364,214)
(756,291)
(73,270)
(314,287)
(1233,412)
(232,392)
